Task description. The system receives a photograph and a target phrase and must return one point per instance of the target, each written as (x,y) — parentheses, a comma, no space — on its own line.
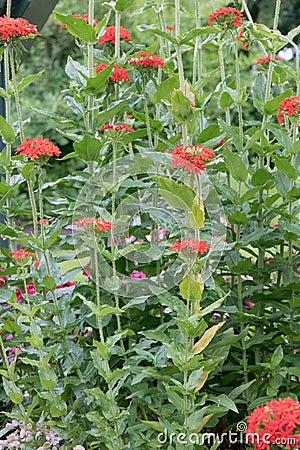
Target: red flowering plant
(275,425)
(289,107)
(12,29)
(130,302)
(119,73)
(110,35)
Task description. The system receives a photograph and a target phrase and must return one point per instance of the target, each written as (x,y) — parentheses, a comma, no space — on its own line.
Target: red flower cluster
(119,73)
(289,106)
(229,17)
(21,253)
(116,127)
(11,28)
(110,35)
(195,245)
(38,148)
(267,59)
(147,59)
(278,420)
(192,157)
(168,27)
(98,224)
(79,16)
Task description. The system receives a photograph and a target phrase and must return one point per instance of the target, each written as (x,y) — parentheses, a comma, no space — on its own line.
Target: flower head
(195,245)
(147,60)
(12,29)
(110,35)
(277,419)
(38,149)
(168,27)
(226,17)
(137,274)
(22,257)
(192,157)
(79,16)
(290,107)
(116,131)
(266,59)
(119,73)
(94,224)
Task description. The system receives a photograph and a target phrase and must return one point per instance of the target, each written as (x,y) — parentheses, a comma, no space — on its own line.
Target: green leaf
(49,283)
(77,27)
(115,109)
(225,100)
(238,217)
(195,418)
(155,124)
(14,393)
(196,217)
(190,289)
(88,148)
(272,106)
(121,5)
(235,165)
(181,107)
(209,133)
(29,79)
(6,131)
(98,83)
(48,378)
(239,389)
(164,89)
(198,32)
(285,166)
(177,195)
(261,176)
(282,183)
(153,425)
(157,31)
(282,136)
(225,401)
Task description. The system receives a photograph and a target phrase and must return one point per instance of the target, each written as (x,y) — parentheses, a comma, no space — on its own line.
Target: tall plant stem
(6,364)
(90,98)
(8,146)
(60,321)
(147,118)
(223,79)
(33,208)
(198,60)
(239,93)
(8,8)
(180,66)
(98,293)
(16,93)
(113,209)
(277,14)
(41,206)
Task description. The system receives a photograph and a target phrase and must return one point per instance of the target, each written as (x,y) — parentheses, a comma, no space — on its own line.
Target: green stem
(180,66)
(61,323)
(98,293)
(8,8)
(249,17)
(276,15)
(223,79)
(198,60)
(8,146)
(41,206)
(33,208)
(113,209)
(16,93)
(147,118)
(90,63)
(239,93)
(5,361)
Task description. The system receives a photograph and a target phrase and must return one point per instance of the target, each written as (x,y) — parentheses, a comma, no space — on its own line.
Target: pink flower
(137,274)
(248,304)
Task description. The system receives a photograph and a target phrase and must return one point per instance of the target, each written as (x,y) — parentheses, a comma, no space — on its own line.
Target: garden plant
(150,264)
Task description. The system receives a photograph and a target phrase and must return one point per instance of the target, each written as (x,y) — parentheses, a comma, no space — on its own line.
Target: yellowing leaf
(206,338)
(203,379)
(203,423)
